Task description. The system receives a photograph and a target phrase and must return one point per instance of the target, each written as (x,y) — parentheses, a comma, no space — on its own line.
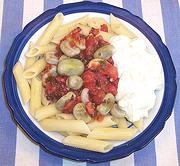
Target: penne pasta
(96,22)
(84,29)
(112,133)
(72,133)
(77,126)
(107,122)
(67,28)
(139,124)
(88,144)
(51,30)
(65,134)
(22,83)
(106,36)
(41,50)
(83,20)
(119,28)
(46,112)
(34,69)
(121,122)
(36,90)
(65,116)
(29,62)
(63,31)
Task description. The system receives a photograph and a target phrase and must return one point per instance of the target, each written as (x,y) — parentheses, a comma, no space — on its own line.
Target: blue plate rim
(59,149)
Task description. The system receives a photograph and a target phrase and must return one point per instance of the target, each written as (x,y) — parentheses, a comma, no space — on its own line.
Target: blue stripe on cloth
(171,21)
(46,159)
(11,26)
(99,164)
(134,6)
(146,156)
(48,4)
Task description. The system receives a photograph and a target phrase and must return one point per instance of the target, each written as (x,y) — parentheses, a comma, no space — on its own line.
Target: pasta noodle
(96,22)
(106,36)
(112,133)
(50,31)
(61,34)
(34,69)
(66,28)
(88,144)
(107,122)
(44,100)
(29,62)
(84,29)
(121,122)
(22,83)
(41,50)
(119,28)
(139,124)
(36,90)
(65,116)
(46,112)
(77,126)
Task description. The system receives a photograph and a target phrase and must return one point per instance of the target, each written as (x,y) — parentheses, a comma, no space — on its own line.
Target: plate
(51,141)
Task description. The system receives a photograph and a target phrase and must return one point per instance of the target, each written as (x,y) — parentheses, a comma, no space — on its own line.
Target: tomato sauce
(100,80)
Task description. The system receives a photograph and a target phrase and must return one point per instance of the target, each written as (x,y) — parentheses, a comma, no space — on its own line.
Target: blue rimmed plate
(51,141)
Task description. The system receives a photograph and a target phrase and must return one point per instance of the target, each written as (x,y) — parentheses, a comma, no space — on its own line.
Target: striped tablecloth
(16,149)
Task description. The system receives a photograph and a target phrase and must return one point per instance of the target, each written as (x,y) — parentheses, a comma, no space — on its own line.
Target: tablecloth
(17,149)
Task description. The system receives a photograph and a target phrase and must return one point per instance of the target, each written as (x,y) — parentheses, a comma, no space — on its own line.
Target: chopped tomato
(58,51)
(110,60)
(101,41)
(89,78)
(116,82)
(50,88)
(97,95)
(72,44)
(47,68)
(94,31)
(90,108)
(77,30)
(104,28)
(111,71)
(68,108)
(99,117)
(55,88)
(111,89)
(90,41)
(101,81)
(78,99)
(60,79)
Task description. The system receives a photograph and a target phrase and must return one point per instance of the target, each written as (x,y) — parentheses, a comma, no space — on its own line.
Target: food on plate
(88,80)
(140,74)
(22,83)
(78,126)
(89,144)
(112,133)
(36,91)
